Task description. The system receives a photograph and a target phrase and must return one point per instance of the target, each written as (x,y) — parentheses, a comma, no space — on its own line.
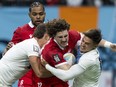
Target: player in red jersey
(62,41)
(37,16)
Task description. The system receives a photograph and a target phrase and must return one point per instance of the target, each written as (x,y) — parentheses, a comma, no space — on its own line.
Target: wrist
(46,65)
(107,44)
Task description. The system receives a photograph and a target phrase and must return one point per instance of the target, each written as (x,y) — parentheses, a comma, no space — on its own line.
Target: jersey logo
(21,83)
(39,84)
(30,35)
(56,58)
(35,48)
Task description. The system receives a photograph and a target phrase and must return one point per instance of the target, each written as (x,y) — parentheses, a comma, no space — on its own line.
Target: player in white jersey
(87,71)
(21,57)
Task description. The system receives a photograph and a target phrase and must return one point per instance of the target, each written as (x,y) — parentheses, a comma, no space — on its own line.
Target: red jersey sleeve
(22,33)
(17,36)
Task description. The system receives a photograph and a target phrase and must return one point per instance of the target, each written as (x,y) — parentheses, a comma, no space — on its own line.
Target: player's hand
(113,47)
(10,44)
(43,61)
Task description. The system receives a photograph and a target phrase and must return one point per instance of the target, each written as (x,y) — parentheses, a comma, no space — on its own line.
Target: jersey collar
(59,45)
(31,24)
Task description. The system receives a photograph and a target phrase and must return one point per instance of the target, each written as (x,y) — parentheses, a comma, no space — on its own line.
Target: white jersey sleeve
(30,47)
(32,50)
(66,74)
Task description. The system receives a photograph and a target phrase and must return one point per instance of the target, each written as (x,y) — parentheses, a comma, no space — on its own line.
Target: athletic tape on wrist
(107,44)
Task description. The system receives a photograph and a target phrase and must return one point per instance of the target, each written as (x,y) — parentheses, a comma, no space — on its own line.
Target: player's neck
(40,42)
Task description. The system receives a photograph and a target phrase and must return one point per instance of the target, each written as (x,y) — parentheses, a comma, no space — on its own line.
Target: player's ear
(46,36)
(29,14)
(95,46)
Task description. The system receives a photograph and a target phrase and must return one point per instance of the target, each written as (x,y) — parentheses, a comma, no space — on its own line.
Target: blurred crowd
(59,2)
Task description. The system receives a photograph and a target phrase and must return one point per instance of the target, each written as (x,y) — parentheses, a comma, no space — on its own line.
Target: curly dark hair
(56,25)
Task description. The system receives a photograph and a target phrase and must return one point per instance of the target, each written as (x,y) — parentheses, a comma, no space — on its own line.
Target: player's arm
(68,60)
(73,72)
(64,66)
(66,75)
(9,45)
(39,70)
(35,65)
(107,44)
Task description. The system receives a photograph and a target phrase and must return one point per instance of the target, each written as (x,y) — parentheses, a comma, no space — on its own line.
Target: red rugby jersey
(53,54)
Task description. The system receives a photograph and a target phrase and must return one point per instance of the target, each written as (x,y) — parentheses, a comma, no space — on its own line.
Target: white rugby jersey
(15,62)
(89,78)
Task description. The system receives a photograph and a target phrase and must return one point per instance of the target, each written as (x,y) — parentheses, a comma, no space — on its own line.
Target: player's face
(37,15)
(87,45)
(62,38)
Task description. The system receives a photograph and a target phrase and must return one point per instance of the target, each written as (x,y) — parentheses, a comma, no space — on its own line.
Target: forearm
(3,53)
(105,43)
(65,75)
(10,44)
(42,73)
(39,70)
(45,73)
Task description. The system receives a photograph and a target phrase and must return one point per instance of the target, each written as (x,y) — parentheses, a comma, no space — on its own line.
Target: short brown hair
(40,31)
(94,35)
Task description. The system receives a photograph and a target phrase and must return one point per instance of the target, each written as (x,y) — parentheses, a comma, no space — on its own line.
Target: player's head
(90,40)
(58,29)
(41,33)
(37,13)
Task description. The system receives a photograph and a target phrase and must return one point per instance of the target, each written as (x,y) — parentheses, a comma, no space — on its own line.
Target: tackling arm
(66,74)
(39,70)
(108,44)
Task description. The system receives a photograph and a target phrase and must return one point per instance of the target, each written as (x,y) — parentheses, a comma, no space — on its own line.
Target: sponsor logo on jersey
(30,35)
(56,58)
(35,48)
